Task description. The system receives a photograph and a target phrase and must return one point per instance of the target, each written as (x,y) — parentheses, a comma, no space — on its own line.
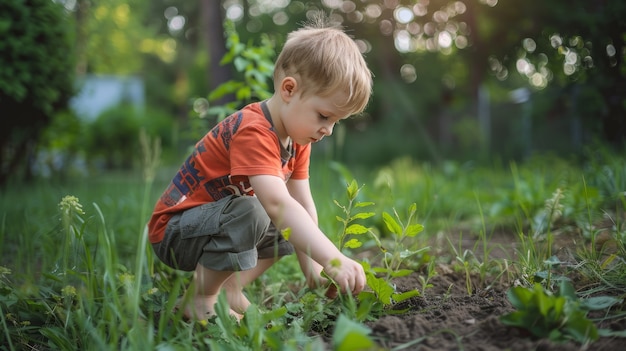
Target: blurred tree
(111,36)
(36,75)
(212,25)
(574,57)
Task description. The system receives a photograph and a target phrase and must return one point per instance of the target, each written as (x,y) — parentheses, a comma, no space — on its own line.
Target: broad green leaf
(401,273)
(408,253)
(244,93)
(541,299)
(515,319)
(558,306)
(364,204)
(350,335)
(519,297)
(391,224)
(352,244)
(405,295)
(414,229)
(381,288)
(356,229)
(240,64)
(363,215)
(352,190)
(224,89)
(552,261)
(612,333)
(566,289)
(599,302)
(580,328)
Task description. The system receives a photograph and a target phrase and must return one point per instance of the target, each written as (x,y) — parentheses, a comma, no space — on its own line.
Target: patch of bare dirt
(447,317)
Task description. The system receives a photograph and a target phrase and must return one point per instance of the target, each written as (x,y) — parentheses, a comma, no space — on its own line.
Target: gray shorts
(227,235)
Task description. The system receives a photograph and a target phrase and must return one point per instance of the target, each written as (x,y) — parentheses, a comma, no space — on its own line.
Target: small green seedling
(558,317)
(379,277)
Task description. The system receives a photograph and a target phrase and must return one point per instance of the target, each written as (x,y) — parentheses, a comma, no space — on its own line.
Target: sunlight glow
(234,12)
(420,9)
(610,50)
(373,11)
(490,3)
(529,45)
(332,4)
(403,15)
(176,23)
(403,41)
(280,18)
(444,40)
(348,6)
(408,74)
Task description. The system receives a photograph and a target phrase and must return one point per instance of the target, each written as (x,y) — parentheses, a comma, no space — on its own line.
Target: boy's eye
(323,117)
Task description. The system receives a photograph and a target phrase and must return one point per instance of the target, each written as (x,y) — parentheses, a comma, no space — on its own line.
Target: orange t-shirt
(242,145)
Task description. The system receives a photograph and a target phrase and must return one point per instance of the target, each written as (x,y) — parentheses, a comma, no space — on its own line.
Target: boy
(247,179)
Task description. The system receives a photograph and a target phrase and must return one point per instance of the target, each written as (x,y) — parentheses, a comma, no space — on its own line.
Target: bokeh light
(408,73)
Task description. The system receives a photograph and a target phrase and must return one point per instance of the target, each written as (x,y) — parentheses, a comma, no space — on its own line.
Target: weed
(392,261)
(559,316)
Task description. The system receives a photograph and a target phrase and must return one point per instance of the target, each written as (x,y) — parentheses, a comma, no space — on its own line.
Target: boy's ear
(288,87)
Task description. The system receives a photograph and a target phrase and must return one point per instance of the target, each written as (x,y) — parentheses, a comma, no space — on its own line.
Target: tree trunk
(212,23)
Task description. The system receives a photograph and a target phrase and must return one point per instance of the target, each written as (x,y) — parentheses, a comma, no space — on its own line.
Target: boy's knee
(246,215)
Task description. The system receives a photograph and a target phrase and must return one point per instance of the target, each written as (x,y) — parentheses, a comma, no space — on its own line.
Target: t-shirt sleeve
(255,151)
(303,160)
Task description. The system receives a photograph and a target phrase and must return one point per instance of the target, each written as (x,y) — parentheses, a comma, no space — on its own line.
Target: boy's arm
(286,212)
(300,190)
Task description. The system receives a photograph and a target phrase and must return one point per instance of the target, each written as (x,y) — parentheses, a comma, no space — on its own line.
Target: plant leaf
(363,215)
(391,224)
(349,335)
(401,273)
(414,229)
(381,288)
(356,229)
(352,244)
(596,303)
(352,190)
(405,295)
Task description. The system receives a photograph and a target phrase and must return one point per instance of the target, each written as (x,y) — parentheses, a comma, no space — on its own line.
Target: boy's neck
(273,105)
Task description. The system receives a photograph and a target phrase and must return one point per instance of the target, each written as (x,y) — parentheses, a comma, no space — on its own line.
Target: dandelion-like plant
(71,218)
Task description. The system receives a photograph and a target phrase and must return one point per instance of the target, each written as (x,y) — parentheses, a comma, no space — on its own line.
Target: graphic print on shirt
(224,186)
(229,127)
(186,180)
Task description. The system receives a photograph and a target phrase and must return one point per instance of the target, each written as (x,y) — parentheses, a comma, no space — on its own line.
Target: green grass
(76,277)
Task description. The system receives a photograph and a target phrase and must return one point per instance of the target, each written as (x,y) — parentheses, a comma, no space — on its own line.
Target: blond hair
(325,60)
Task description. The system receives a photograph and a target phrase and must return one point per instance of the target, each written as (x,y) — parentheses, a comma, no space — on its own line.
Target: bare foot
(202,307)
(237,301)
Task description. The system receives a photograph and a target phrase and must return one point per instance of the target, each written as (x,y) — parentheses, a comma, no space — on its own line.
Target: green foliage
(102,289)
(350,336)
(255,65)
(35,56)
(559,316)
(115,133)
(36,75)
(392,260)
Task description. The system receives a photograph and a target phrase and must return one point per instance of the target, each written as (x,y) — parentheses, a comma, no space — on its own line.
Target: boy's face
(310,118)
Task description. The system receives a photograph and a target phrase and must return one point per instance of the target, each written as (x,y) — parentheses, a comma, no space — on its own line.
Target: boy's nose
(328,130)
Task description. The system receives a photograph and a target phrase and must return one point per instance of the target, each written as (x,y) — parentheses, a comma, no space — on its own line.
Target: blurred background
(482,81)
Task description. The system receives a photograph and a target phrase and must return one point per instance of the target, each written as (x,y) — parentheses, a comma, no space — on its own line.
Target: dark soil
(447,317)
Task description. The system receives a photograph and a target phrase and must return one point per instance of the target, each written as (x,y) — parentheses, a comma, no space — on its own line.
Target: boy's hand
(347,274)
